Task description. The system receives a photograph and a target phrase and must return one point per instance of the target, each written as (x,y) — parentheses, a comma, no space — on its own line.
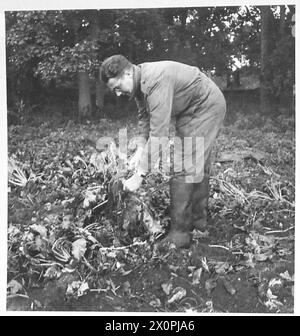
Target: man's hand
(133,183)
(136,158)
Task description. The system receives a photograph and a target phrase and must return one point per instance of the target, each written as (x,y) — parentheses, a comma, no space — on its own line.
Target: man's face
(123,84)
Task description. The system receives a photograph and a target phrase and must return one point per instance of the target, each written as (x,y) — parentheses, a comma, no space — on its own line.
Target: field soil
(77,242)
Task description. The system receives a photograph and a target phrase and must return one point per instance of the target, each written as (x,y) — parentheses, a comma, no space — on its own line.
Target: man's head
(117,72)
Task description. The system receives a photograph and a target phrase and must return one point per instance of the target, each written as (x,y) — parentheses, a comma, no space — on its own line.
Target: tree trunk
(237,80)
(99,85)
(100,90)
(84,101)
(229,79)
(282,21)
(266,43)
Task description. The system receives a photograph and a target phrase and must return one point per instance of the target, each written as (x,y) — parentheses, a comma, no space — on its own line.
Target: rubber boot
(200,204)
(181,194)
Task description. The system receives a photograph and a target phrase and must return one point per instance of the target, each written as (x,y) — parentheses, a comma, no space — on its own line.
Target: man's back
(187,84)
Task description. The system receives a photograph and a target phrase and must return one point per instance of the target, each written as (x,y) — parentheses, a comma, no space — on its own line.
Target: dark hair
(113,66)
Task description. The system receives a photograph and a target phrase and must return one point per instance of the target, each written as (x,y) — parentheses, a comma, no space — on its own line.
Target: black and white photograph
(151,154)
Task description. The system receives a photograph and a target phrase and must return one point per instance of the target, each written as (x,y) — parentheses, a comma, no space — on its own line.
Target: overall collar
(136,91)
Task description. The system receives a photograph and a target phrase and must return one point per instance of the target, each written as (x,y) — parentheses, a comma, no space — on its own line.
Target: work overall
(175,90)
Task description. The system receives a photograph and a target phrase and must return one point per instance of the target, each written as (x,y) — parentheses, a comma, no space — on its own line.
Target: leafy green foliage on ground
(77,242)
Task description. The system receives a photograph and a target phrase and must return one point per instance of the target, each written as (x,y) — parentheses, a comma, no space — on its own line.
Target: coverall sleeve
(143,121)
(160,101)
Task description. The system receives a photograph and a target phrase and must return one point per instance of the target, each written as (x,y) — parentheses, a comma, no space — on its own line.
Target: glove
(136,158)
(133,183)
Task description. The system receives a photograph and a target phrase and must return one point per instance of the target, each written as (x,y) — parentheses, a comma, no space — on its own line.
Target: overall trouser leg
(189,192)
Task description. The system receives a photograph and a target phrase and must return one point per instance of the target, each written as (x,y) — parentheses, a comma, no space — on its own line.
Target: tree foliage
(55,44)
(51,48)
